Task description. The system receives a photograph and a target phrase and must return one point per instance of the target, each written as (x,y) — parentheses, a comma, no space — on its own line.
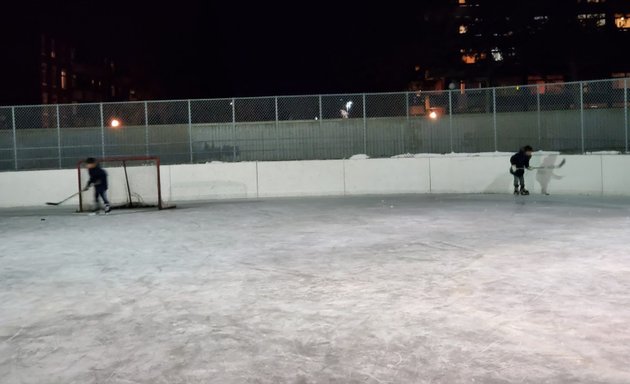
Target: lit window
(469,58)
(64,79)
(622,21)
(592,19)
(462,2)
(511,52)
(463,29)
(52,48)
(497,55)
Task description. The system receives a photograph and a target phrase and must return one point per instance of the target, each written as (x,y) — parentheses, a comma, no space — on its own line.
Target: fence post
(102,132)
(190,140)
(494,117)
(146,128)
(450,118)
(582,116)
(402,129)
(58,135)
(538,117)
(15,153)
(625,110)
(233,129)
(321,117)
(364,127)
(278,147)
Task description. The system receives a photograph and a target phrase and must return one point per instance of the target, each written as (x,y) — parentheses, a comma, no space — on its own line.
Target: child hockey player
(98,178)
(520,162)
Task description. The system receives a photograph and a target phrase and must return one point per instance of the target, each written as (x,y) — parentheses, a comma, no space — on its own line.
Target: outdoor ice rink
(378,289)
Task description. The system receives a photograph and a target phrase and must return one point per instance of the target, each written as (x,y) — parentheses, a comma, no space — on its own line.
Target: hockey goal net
(133,182)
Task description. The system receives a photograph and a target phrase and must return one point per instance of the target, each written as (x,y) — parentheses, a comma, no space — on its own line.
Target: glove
(87,187)
(513,168)
(529,168)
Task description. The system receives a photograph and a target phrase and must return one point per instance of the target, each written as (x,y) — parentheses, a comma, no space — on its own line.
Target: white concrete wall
(582,174)
(616,175)
(32,188)
(209,181)
(387,176)
(300,178)
(488,174)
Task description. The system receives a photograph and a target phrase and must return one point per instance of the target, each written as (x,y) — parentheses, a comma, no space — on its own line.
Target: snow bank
(604,153)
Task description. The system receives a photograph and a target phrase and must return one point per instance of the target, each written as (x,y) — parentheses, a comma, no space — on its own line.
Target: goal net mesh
(132,183)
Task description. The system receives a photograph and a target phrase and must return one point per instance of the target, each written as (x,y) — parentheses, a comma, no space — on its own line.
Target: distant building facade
(507,42)
(50,70)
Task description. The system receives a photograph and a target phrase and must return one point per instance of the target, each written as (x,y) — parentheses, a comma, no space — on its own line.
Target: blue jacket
(98,177)
(521,160)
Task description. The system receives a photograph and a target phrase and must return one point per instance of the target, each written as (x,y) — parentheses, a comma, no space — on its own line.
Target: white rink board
(470,174)
(387,176)
(616,175)
(581,175)
(212,181)
(301,178)
(33,188)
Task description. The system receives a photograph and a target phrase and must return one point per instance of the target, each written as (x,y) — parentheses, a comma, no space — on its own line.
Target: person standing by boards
(98,178)
(520,162)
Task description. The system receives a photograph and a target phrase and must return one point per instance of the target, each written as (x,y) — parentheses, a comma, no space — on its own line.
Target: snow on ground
(404,289)
(478,154)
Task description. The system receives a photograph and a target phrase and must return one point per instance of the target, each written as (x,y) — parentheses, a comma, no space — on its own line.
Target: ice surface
(405,289)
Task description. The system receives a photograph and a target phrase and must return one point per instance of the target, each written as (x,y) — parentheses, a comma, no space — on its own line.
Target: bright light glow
(115,123)
(622,21)
(497,55)
(348,106)
(433,115)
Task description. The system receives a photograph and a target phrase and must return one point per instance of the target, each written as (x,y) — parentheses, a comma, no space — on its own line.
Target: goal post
(133,182)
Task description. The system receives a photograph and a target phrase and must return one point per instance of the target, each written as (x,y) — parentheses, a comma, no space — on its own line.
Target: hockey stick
(64,200)
(547,167)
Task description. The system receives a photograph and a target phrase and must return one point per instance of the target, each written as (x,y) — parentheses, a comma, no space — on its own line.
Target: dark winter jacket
(98,177)
(521,160)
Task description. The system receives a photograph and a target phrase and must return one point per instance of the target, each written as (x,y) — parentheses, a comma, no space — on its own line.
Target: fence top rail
(561,83)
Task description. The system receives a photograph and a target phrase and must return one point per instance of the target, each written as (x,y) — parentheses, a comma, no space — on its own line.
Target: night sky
(214,49)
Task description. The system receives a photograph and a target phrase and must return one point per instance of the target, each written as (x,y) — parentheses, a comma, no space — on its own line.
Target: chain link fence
(568,117)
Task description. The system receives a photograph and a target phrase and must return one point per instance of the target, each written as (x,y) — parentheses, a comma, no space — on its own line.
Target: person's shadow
(546,173)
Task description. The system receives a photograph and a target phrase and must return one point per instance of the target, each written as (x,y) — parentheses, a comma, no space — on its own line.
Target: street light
(115,123)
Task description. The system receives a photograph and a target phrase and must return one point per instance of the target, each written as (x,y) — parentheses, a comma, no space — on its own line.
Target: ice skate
(524,192)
